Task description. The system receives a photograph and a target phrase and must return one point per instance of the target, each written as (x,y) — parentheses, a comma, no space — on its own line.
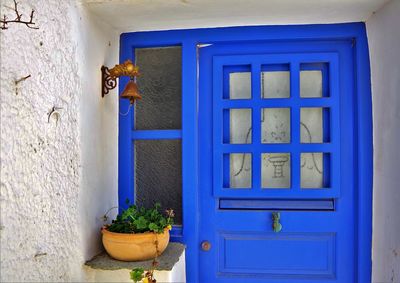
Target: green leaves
(137,274)
(154,227)
(140,223)
(140,220)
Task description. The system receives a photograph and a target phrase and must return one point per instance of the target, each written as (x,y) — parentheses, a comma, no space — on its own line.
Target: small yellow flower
(169,227)
(146,280)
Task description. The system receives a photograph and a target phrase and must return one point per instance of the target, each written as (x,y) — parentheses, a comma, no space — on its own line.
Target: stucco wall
(57,177)
(384,44)
(98,45)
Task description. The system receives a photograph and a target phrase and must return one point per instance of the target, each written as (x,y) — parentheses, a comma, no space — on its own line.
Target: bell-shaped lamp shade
(131,92)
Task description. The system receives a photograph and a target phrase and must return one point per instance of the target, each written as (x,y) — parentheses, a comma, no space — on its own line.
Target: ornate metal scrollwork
(109,76)
(108,82)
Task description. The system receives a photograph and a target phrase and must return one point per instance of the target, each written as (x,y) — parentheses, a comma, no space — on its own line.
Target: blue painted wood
(277,204)
(176,234)
(125,152)
(309,256)
(364,153)
(156,134)
(279,39)
(295,130)
(340,222)
(256,123)
(190,201)
(281,34)
(278,102)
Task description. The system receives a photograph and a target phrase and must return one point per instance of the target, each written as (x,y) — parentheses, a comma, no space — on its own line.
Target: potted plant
(138,233)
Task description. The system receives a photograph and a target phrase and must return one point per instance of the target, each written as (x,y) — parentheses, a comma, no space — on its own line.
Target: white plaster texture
(143,15)
(40,160)
(384,45)
(98,45)
(58,176)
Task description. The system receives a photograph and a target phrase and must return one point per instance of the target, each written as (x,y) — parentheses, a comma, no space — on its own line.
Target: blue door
(277,162)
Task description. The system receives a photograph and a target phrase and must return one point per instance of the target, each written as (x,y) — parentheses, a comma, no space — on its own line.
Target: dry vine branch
(19,81)
(18,19)
(22,79)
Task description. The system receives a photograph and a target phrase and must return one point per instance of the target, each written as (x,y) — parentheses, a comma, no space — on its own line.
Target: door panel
(276,135)
(306,254)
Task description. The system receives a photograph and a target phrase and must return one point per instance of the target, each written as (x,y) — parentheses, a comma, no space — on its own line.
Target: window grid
(256,103)
(157,134)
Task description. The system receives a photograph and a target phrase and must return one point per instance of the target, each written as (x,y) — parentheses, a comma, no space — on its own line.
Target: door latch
(276,225)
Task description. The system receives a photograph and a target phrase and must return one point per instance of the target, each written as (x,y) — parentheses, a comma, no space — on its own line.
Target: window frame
(294,103)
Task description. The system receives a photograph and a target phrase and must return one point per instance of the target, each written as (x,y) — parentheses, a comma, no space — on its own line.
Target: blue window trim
(189,39)
(156,134)
(220,188)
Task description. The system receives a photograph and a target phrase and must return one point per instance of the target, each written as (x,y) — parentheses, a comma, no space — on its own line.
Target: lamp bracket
(107,82)
(109,76)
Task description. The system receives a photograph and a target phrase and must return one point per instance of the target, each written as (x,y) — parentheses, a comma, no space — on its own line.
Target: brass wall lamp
(109,80)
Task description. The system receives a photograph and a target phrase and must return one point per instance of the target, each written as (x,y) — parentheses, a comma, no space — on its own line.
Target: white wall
(141,15)
(57,178)
(384,44)
(97,45)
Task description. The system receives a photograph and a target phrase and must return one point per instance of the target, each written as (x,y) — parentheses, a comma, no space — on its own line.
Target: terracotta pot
(134,247)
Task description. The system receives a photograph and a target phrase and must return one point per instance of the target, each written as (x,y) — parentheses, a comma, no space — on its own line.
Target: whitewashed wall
(97,45)
(384,45)
(57,177)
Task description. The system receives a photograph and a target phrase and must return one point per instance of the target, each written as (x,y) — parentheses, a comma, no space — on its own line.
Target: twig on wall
(22,79)
(18,81)
(18,19)
(39,255)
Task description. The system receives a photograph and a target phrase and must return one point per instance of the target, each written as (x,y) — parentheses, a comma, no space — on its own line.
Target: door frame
(190,39)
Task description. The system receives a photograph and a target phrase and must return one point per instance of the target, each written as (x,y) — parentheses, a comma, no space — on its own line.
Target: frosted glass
(275,84)
(240,126)
(240,85)
(310,83)
(275,170)
(311,125)
(160,83)
(275,125)
(240,170)
(158,174)
(312,170)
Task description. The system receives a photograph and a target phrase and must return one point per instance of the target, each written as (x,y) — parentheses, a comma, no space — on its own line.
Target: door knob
(205,246)
(276,225)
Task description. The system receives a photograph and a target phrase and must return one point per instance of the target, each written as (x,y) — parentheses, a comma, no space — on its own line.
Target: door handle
(276,225)
(206,246)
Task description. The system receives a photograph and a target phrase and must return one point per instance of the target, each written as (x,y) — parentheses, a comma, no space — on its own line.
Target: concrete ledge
(171,267)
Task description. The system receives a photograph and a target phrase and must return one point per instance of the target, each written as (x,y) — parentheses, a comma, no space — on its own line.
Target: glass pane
(311,125)
(275,125)
(314,170)
(240,126)
(158,174)
(160,83)
(275,84)
(240,170)
(240,85)
(311,83)
(275,170)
